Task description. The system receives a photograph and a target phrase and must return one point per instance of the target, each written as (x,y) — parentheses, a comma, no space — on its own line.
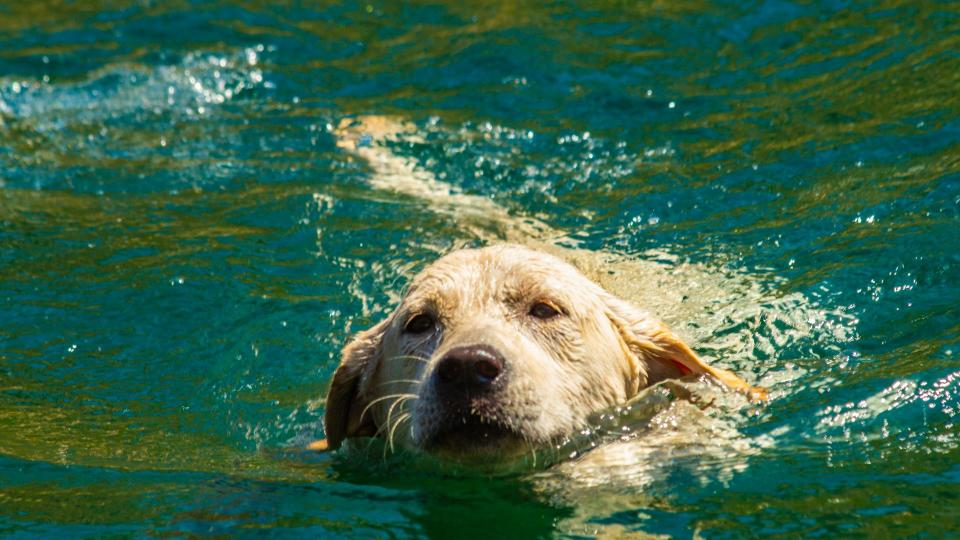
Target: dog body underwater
(498,350)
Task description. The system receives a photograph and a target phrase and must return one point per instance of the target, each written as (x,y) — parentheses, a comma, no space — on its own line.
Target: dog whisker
(382,429)
(400,419)
(414,382)
(382,398)
(414,357)
(533,451)
(392,407)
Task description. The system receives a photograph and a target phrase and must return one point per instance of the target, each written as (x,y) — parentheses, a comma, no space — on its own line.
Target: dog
(495,350)
(498,349)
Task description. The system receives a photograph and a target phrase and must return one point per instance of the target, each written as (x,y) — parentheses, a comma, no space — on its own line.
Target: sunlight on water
(200,79)
(78,125)
(184,249)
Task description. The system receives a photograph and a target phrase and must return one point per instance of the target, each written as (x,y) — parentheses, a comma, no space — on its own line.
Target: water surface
(184,250)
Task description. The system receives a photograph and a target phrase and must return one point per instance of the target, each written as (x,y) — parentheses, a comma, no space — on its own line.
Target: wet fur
(599,352)
(603,351)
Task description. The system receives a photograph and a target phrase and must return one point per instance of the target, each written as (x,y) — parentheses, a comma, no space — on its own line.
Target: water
(184,250)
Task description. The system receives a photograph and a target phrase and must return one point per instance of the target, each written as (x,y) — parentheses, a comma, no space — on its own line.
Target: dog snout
(471,369)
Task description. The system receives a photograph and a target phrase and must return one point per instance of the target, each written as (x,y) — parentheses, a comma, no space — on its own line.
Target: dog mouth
(472,434)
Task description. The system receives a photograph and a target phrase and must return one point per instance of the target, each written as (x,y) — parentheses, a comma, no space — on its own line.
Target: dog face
(496,350)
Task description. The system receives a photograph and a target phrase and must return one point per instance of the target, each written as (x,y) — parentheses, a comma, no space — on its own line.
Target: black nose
(472,369)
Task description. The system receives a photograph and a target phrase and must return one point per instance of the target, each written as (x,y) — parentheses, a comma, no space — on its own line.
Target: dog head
(498,349)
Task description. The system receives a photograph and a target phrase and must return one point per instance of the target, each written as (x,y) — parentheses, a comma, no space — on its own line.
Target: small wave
(902,411)
(200,81)
(125,122)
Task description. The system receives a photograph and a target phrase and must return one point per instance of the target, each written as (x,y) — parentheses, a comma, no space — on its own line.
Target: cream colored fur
(600,353)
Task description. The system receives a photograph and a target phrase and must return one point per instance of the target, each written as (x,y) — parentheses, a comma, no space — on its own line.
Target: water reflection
(183,250)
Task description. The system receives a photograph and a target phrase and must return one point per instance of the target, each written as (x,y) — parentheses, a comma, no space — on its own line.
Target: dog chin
(473,439)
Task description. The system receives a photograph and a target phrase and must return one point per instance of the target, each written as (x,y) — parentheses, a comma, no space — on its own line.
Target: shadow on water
(355,502)
(467,505)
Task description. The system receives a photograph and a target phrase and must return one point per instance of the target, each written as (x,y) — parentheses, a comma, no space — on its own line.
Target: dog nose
(471,368)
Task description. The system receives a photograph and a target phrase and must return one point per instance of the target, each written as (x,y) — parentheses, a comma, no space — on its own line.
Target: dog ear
(663,355)
(344,416)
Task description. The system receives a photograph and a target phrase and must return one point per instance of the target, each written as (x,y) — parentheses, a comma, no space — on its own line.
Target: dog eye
(541,310)
(419,324)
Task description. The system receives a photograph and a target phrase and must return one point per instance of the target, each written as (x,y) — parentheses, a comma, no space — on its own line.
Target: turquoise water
(184,250)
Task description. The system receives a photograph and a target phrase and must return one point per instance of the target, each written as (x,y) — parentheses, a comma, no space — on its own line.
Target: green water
(184,251)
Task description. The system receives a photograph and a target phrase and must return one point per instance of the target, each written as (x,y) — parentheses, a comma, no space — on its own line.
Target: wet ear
(663,355)
(346,403)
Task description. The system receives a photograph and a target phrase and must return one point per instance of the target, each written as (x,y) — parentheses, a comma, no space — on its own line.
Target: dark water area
(184,250)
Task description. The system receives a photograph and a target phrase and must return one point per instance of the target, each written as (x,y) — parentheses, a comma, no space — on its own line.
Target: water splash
(906,414)
(123,122)
(191,87)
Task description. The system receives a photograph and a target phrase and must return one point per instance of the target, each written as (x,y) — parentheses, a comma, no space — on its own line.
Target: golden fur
(599,351)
